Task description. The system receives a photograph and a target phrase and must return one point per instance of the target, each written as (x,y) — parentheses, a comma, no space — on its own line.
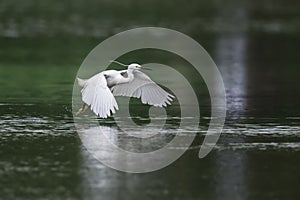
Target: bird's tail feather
(81,82)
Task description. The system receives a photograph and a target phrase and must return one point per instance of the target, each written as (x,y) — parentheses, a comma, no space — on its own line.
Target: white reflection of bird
(98,91)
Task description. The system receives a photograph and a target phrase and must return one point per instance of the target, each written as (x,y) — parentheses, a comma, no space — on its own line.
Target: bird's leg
(82,110)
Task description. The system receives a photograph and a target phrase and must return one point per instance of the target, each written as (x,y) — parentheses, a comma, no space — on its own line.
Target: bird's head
(134,66)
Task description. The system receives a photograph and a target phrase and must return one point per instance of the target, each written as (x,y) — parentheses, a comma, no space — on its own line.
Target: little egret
(98,91)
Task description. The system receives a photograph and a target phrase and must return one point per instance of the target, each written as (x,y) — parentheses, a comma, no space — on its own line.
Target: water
(257,156)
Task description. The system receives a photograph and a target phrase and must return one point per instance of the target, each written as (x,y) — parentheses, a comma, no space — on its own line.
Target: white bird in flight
(99,91)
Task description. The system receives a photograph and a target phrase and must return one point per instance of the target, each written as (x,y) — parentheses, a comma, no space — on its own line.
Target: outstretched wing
(98,96)
(146,89)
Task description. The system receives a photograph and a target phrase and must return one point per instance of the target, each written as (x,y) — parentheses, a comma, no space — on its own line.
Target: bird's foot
(81,110)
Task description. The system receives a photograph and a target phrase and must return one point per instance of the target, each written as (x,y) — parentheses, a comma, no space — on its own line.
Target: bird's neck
(130,74)
(130,71)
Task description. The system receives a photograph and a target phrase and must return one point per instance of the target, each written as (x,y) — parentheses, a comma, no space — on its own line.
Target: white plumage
(98,91)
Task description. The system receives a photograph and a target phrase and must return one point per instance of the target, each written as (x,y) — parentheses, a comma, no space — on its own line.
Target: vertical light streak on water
(230,57)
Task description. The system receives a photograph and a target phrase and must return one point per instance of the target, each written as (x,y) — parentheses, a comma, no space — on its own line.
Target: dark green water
(256,47)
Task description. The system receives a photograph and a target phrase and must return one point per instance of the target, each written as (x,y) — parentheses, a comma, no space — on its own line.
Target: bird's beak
(146,68)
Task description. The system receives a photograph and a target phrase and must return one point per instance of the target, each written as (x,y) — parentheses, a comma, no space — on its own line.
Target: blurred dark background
(255,43)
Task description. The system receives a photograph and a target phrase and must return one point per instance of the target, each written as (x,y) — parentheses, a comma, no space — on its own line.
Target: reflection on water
(46,149)
(228,161)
